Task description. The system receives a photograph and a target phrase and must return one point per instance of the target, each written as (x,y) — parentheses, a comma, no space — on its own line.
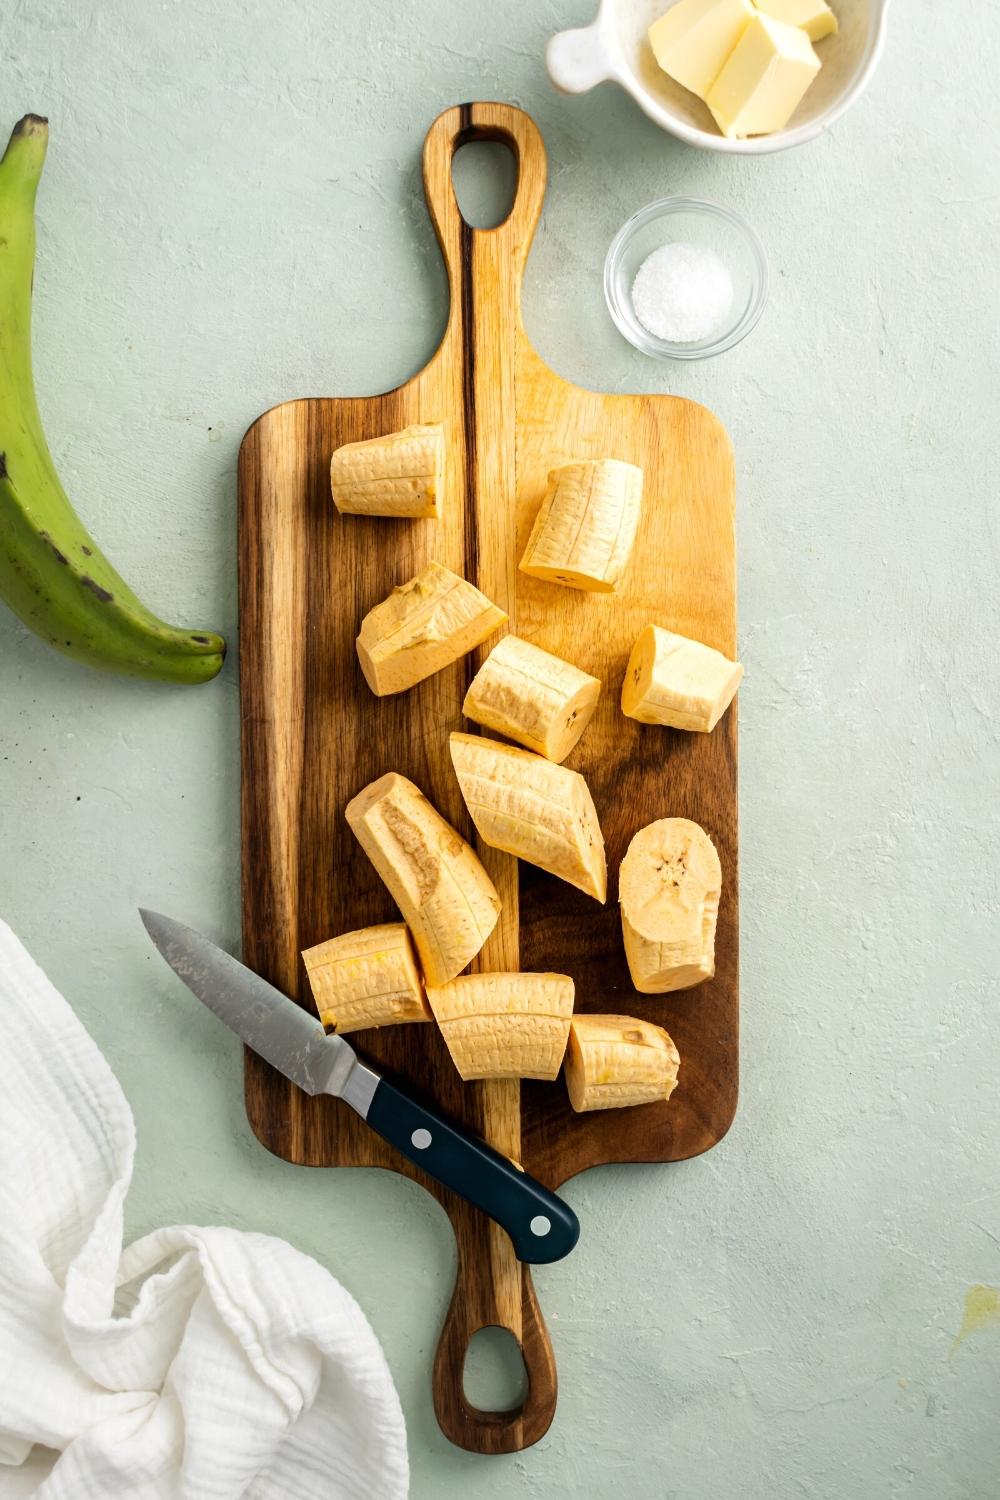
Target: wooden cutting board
(313,735)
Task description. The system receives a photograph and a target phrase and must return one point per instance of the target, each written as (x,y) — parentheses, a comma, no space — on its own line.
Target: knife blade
(541,1225)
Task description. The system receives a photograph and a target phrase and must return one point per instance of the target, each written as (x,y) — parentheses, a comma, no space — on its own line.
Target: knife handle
(542,1227)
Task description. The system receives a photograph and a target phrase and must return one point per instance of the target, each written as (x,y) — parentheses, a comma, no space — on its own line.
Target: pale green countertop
(232,215)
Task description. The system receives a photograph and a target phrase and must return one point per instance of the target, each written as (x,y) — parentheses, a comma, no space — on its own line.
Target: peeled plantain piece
(533,697)
(671,679)
(424,625)
(669,886)
(583,533)
(505,1025)
(614,1061)
(446,897)
(366,978)
(400,475)
(527,806)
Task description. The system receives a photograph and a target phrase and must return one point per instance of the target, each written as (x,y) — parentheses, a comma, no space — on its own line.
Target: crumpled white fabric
(200,1364)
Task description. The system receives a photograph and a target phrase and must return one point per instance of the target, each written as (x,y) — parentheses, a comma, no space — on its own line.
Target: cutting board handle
(484,121)
(492,1290)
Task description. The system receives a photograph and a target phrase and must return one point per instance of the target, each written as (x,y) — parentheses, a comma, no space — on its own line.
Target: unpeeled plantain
(52,574)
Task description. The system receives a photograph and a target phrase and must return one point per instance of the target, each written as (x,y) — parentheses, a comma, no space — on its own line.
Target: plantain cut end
(31,125)
(25,154)
(208,656)
(210,643)
(205,662)
(179,663)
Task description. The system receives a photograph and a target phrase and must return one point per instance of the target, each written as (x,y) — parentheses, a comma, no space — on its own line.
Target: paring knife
(542,1227)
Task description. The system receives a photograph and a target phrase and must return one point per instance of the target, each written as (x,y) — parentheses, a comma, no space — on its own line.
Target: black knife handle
(542,1227)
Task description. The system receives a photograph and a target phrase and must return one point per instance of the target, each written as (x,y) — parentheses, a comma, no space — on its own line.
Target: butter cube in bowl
(685,278)
(763,80)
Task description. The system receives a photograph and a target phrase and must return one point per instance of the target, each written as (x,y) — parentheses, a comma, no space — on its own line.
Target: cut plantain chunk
(366,978)
(669,886)
(583,533)
(424,625)
(673,680)
(533,697)
(400,475)
(446,897)
(527,806)
(614,1061)
(505,1025)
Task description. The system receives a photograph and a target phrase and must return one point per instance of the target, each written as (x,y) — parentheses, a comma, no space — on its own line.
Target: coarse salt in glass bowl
(690,221)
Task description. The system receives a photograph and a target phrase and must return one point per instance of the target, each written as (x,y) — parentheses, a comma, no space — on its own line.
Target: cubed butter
(815,17)
(692,41)
(763,81)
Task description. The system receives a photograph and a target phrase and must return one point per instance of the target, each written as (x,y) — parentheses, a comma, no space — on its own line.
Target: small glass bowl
(693,221)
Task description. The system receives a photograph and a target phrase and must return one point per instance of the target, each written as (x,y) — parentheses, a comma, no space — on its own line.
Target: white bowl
(616,48)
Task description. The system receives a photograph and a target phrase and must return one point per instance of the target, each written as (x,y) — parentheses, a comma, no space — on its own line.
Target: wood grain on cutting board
(313,735)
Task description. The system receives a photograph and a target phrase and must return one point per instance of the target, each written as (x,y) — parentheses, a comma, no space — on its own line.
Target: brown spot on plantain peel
(95,588)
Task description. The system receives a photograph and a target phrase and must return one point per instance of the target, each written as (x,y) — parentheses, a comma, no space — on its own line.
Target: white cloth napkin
(200,1364)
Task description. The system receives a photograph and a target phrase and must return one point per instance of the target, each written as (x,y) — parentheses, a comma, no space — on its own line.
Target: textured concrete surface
(231,216)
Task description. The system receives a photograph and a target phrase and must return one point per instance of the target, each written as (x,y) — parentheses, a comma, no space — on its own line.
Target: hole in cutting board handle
(484,176)
(494,1377)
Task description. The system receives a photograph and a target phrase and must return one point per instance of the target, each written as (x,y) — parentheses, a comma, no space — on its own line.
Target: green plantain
(52,575)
